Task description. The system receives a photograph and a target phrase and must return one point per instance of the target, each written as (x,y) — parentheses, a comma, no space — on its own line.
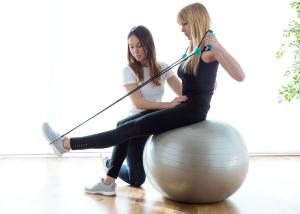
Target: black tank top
(199,88)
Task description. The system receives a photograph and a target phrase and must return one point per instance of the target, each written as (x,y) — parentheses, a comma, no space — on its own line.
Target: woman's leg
(107,186)
(120,151)
(133,172)
(117,158)
(152,123)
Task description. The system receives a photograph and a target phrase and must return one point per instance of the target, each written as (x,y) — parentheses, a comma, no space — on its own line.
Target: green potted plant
(290,90)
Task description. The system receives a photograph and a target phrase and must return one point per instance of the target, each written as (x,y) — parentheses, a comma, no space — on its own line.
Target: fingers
(210,39)
(181,98)
(177,100)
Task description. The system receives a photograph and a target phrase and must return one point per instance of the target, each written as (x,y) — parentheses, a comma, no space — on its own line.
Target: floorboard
(50,185)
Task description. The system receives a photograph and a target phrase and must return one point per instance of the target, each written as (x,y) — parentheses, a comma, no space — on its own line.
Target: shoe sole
(101,193)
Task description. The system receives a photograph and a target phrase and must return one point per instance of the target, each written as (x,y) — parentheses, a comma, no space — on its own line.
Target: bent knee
(137,182)
(121,122)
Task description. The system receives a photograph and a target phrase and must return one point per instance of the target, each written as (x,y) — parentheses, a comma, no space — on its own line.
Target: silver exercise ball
(204,162)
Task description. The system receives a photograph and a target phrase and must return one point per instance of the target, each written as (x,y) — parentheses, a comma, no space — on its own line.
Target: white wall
(61,61)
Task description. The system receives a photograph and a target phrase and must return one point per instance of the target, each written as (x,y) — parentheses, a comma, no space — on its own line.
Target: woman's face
(137,50)
(185,28)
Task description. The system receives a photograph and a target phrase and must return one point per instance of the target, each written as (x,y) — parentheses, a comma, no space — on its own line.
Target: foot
(105,163)
(102,189)
(51,135)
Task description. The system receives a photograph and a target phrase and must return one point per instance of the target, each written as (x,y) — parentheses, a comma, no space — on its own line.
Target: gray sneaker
(51,135)
(101,188)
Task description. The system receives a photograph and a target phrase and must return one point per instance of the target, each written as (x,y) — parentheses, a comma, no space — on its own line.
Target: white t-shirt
(150,91)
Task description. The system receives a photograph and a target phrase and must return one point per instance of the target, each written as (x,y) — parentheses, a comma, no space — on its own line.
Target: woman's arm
(219,53)
(232,67)
(140,103)
(175,84)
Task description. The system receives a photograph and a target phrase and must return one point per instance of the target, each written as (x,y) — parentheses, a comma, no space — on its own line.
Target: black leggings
(133,172)
(153,123)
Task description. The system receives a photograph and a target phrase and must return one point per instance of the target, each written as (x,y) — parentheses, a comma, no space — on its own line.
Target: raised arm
(219,53)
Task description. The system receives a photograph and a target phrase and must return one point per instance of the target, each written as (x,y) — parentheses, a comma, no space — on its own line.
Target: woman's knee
(119,123)
(130,118)
(137,181)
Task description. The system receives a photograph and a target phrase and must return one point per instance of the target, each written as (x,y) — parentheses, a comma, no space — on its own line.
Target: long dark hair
(146,40)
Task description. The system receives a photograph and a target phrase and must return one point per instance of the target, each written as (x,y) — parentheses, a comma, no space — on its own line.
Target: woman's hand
(219,53)
(211,39)
(176,101)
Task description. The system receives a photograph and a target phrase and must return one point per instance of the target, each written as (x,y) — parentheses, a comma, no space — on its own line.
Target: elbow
(241,77)
(138,105)
(238,76)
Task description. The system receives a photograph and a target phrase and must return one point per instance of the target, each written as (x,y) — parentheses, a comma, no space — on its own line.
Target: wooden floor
(42,185)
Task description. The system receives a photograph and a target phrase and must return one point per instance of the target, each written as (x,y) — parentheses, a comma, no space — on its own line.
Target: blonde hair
(199,21)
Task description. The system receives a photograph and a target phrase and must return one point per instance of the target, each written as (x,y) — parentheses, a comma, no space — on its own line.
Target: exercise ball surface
(205,162)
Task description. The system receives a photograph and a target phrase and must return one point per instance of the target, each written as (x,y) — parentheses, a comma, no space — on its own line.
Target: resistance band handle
(209,47)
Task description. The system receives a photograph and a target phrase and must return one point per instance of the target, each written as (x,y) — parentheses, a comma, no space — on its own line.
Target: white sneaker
(101,188)
(51,135)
